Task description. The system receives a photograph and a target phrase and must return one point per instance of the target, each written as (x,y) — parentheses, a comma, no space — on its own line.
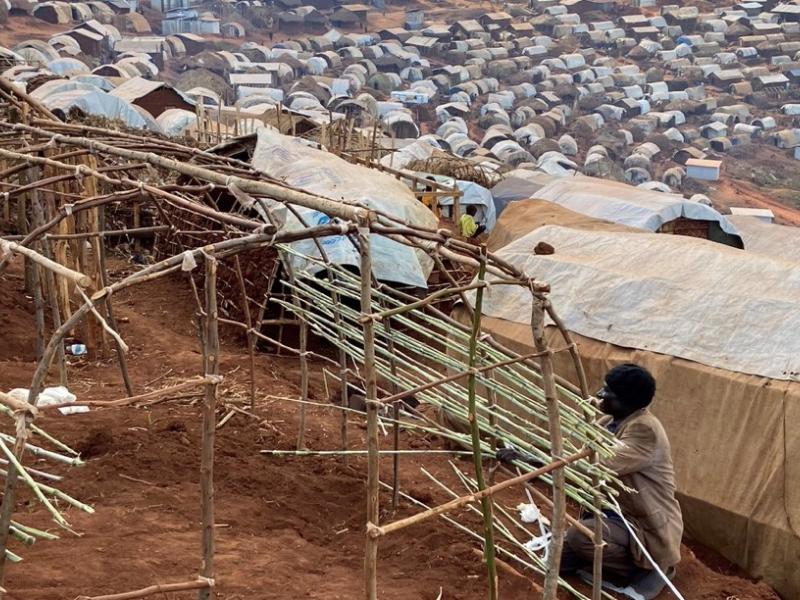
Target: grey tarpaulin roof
(628,205)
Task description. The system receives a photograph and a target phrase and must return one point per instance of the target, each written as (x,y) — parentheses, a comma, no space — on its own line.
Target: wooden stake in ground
(486,502)
(599,543)
(371,381)
(211,365)
(556,449)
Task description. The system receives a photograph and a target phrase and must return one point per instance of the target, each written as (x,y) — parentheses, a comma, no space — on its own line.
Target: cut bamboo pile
(211,219)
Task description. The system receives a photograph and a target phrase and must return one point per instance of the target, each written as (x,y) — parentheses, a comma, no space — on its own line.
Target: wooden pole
(486,502)
(211,367)
(370,376)
(55,313)
(387,325)
(251,345)
(556,449)
(301,437)
(599,543)
(36,274)
(121,358)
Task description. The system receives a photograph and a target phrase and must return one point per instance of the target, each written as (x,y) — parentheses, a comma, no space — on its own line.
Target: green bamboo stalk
(38,451)
(486,503)
(57,516)
(45,535)
(14,558)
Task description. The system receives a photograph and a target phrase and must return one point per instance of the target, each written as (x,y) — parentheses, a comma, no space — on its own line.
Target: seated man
(467,226)
(644,464)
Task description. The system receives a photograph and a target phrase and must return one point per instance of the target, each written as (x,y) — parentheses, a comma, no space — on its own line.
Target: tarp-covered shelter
(301,166)
(640,208)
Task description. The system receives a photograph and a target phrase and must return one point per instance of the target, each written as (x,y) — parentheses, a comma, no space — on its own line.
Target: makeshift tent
(301,166)
(720,331)
(421,149)
(636,207)
(175,121)
(517,185)
(475,195)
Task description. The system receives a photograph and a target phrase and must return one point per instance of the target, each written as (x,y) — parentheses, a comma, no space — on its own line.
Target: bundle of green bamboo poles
(443,363)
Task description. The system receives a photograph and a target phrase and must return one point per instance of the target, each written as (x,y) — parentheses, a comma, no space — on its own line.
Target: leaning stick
(159,588)
(470,498)
(251,346)
(101,259)
(152,397)
(7,247)
(123,347)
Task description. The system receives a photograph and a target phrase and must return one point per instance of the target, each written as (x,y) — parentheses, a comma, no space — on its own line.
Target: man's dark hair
(632,384)
(472,210)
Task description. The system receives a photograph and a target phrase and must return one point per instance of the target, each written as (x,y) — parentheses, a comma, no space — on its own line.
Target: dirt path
(287,527)
(736,192)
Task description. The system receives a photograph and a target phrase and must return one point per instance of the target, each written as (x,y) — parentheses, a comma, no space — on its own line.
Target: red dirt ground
(287,527)
(18,29)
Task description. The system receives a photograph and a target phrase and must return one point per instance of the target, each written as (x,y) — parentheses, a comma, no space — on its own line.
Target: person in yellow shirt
(467,225)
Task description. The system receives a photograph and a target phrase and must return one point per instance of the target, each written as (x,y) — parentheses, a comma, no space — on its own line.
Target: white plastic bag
(50,396)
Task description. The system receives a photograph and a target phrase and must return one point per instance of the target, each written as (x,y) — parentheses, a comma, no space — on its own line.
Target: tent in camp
(640,208)
(298,164)
(719,329)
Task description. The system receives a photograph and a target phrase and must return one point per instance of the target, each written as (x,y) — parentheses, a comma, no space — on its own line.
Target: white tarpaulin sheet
(674,295)
(303,167)
(175,121)
(627,205)
(777,241)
